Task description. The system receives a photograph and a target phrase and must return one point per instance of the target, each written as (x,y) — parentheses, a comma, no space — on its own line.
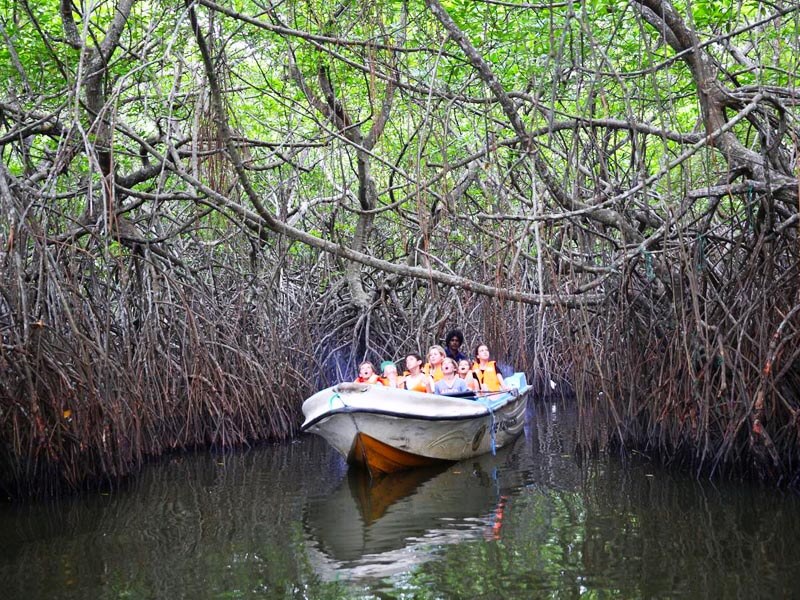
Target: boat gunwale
(349,410)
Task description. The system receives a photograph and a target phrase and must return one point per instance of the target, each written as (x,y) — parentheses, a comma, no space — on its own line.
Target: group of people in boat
(447,371)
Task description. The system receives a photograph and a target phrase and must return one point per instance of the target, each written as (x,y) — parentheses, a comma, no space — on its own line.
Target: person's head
(436,355)
(453,340)
(366,370)
(449,366)
(482,352)
(413,362)
(389,369)
(463,367)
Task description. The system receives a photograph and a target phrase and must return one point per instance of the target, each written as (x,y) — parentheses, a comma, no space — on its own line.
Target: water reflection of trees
(632,532)
(687,536)
(190,526)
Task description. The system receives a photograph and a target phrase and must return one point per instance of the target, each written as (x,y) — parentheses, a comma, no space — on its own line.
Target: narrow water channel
(291,521)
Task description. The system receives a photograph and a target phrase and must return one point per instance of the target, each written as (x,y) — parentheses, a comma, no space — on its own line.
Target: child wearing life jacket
(367,374)
(390,378)
(450,383)
(486,371)
(433,367)
(465,373)
(416,380)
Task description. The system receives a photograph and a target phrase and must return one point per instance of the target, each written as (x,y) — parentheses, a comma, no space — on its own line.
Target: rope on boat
(514,392)
(486,400)
(334,397)
(487,394)
(338,396)
(492,428)
(493,431)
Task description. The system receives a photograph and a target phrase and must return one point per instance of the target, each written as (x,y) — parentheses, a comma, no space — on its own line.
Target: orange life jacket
(419,386)
(487,376)
(385,381)
(373,379)
(472,381)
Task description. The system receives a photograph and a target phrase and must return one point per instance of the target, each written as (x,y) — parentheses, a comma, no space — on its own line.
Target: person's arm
(469,380)
(429,383)
(500,381)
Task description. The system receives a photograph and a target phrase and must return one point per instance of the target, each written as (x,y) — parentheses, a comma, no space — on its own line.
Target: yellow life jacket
(435,373)
(487,376)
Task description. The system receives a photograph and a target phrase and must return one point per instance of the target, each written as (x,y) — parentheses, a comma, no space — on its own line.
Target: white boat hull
(411,428)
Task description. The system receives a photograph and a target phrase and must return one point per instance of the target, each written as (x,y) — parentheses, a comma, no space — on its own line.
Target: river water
(291,521)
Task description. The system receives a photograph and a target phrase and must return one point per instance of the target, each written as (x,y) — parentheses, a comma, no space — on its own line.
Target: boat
(387,429)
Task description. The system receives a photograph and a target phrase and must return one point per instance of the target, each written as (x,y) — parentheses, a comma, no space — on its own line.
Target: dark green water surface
(290,521)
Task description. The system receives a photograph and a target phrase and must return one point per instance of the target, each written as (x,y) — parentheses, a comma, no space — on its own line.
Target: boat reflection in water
(369,528)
